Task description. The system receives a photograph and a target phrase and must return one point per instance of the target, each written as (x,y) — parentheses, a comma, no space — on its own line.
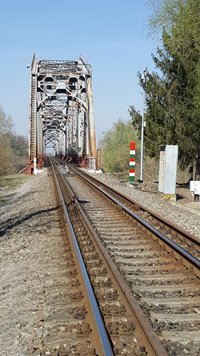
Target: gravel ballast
(34,287)
(31,241)
(183,212)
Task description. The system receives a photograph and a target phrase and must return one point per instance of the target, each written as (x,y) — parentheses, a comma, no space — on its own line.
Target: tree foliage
(6,124)
(136,119)
(19,145)
(13,148)
(115,146)
(163,14)
(5,155)
(172,96)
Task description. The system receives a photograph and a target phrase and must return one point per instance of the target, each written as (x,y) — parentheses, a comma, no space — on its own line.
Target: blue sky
(110,34)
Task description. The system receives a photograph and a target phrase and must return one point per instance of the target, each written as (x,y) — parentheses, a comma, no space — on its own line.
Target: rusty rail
(103,342)
(144,332)
(176,247)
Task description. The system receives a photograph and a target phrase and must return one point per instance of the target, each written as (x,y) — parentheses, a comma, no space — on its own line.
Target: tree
(115,146)
(5,155)
(13,148)
(136,118)
(6,123)
(5,147)
(184,45)
(163,15)
(172,96)
(19,145)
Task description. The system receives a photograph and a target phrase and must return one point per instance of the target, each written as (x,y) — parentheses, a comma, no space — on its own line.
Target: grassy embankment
(8,184)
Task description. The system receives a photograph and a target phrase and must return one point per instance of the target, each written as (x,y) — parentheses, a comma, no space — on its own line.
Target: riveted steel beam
(61,108)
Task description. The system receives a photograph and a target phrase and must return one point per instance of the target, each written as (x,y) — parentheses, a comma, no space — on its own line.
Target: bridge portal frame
(61,110)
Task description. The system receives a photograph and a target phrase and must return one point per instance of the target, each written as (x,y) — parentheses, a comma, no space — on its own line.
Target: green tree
(172,96)
(13,148)
(163,15)
(115,146)
(184,44)
(136,118)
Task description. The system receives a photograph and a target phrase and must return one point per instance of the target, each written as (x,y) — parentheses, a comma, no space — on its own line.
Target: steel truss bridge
(61,111)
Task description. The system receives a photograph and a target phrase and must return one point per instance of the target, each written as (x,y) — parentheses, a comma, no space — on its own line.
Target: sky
(111,35)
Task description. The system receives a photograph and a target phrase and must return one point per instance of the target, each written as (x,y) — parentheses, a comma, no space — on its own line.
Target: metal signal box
(168,170)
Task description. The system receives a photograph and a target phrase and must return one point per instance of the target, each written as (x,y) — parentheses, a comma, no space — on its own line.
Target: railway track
(115,323)
(164,281)
(187,241)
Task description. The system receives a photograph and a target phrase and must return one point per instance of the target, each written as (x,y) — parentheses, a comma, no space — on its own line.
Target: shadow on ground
(11,223)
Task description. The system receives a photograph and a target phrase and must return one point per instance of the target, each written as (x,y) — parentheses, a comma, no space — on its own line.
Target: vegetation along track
(164,281)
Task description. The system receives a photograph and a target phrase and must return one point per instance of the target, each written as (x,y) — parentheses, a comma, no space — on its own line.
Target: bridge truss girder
(61,108)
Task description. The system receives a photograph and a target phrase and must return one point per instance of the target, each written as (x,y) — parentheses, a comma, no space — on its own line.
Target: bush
(115,147)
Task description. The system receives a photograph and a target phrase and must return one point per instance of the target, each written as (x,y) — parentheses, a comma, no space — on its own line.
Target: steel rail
(103,336)
(153,344)
(184,253)
(178,229)
(146,328)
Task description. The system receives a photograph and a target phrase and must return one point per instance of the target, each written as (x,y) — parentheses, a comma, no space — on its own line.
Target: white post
(34,166)
(142,143)
(142,131)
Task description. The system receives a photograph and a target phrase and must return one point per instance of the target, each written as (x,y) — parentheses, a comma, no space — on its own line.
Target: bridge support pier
(34,165)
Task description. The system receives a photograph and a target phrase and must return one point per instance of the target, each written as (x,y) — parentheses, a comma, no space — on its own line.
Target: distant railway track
(152,262)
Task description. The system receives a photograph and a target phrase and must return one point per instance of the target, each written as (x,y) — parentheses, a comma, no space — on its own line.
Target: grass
(12,181)
(151,172)
(7,184)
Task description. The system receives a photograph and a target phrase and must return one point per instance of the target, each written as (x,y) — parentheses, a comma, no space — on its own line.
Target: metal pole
(142,142)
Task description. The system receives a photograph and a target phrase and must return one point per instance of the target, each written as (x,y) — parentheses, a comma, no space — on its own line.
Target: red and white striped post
(132,162)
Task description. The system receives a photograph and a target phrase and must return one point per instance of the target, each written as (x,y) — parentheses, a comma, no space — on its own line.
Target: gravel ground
(29,222)
(30,248)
